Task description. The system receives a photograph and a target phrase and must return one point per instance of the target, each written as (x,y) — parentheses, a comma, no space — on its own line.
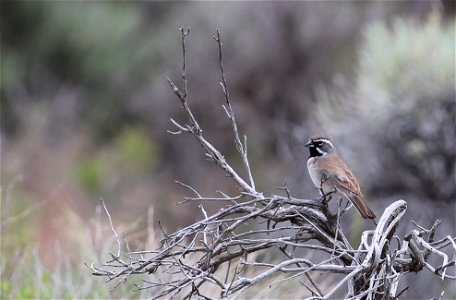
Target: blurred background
(85,108)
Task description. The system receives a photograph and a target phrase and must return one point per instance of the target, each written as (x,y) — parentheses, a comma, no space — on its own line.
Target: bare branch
(242,148)
(184,71)
(112,227)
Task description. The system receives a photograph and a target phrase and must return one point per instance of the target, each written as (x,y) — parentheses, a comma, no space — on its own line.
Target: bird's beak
(309,144)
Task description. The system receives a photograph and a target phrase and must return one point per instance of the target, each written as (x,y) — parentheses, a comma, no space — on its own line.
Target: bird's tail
(362,208)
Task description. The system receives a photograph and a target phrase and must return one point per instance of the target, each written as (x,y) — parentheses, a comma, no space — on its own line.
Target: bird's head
(319,146)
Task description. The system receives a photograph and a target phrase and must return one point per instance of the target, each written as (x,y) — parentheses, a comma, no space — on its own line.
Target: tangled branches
(217,257)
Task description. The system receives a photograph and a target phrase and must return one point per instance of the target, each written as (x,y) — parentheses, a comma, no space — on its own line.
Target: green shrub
(89,174)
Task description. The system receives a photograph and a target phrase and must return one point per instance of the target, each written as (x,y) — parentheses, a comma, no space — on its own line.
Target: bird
(330,174)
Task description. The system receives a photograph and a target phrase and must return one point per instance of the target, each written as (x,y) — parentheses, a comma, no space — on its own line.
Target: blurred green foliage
(98,48)
(131,155)
(89,174)
(137,149)
(50,286)
(417,65)
(16,222)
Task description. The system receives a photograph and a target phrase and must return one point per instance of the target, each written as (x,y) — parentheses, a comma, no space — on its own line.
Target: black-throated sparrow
(330,173)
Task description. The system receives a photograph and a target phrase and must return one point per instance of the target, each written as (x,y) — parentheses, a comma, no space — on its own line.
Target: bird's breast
(314,171)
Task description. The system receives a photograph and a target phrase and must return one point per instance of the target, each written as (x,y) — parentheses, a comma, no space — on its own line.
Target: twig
(242,148)
(112,227)
(184,72)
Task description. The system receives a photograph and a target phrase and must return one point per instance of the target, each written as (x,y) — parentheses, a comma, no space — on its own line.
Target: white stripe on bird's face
(321,151)
(325,141)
